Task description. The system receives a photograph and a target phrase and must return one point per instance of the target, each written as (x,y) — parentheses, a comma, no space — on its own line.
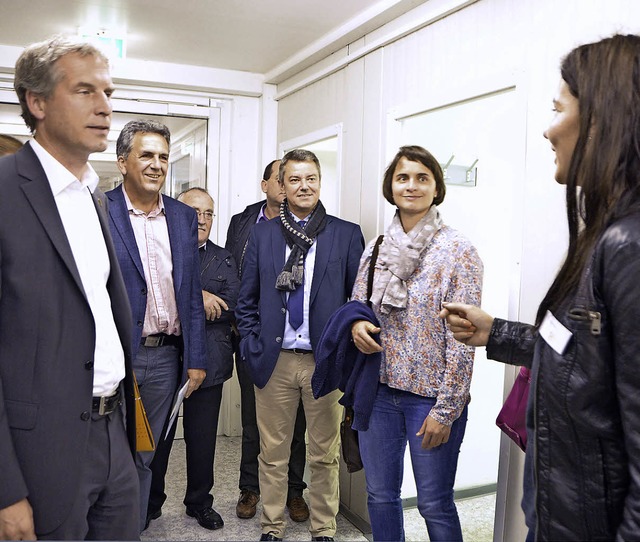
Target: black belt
(106,405)
(161,339)
(298,350)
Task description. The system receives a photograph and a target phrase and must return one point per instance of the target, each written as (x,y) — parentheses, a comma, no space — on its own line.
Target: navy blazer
(219,276)
(261,307)
(182,224)
(47,343)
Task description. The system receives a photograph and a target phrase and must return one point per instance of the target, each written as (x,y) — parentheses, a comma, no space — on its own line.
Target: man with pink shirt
(156,241)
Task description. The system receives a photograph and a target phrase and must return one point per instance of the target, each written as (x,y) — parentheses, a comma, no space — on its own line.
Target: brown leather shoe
(246,507)
(298,509)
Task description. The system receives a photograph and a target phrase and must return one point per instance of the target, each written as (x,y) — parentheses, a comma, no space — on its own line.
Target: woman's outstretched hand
(361,331)
(469,324)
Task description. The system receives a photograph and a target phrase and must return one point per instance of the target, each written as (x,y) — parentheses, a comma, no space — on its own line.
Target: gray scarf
(400,255)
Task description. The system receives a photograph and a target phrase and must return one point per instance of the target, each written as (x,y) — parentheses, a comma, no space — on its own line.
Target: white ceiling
(260,36)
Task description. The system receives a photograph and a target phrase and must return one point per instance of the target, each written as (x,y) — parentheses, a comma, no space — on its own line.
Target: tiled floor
(476,514)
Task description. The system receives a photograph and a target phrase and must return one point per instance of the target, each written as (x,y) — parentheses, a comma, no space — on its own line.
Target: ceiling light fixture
(113,45)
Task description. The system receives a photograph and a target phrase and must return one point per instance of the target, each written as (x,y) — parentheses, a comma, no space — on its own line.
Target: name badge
(554,333)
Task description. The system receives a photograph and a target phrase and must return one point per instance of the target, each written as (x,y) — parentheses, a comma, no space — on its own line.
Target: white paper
(554,333)
(176,407)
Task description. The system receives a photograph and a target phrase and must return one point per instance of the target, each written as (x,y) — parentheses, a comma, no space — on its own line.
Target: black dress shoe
(155,514)
(269,536)
(323,538)
(207,518)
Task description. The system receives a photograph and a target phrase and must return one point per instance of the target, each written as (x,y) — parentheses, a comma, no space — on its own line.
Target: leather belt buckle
(153,341)
(298,350)
(106,404)
(102,409)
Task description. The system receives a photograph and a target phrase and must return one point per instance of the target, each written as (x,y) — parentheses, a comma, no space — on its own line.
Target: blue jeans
(157,372)
(396,418)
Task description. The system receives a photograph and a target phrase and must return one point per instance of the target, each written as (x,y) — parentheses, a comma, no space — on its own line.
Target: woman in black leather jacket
(582,471)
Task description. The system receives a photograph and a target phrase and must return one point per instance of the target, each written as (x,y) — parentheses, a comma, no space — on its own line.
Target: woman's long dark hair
(603,181)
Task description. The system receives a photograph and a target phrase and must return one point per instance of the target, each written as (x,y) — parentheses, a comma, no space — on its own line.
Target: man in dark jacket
(299,268)
(237,237)
(220,284)
(66,464)
(156,241)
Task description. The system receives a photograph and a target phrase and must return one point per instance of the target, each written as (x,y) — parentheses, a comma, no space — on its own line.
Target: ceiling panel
(245,35)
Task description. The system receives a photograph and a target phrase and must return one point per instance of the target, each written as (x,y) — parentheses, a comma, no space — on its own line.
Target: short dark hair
(298,155)
(415,154)
(36,69)
(125,139)
(268,171)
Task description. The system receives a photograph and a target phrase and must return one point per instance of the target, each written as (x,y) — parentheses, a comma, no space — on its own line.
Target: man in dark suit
(220,285)
(66,461)
(156,241)
(298,269)
(237,237)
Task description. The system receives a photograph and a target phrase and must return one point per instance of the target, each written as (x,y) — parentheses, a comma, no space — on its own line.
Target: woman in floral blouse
(425,374)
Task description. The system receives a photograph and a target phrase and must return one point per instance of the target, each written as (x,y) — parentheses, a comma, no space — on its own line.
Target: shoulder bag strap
(372,265)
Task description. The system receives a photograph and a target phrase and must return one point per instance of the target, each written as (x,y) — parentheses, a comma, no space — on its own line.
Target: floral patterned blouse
(420,354)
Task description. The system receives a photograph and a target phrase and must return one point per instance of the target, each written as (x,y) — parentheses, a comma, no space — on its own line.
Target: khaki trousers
(276,408)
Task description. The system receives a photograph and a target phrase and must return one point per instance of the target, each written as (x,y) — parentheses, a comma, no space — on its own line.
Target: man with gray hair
(156,240)
(66,460)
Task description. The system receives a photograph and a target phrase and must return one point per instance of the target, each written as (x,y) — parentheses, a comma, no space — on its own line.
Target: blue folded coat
(340,365)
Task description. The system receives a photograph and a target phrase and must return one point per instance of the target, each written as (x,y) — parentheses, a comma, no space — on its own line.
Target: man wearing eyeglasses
(220,285)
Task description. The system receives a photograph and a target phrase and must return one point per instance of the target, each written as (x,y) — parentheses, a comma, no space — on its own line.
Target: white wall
(482,47)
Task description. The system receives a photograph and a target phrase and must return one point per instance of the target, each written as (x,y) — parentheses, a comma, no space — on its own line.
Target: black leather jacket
(585,403)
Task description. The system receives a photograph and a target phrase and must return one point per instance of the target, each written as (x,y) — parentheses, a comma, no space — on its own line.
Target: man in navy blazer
(66,460)
(156,240)
(298,269)
(237,238)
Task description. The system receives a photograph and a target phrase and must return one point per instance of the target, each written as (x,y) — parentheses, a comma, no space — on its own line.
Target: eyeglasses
(208,215)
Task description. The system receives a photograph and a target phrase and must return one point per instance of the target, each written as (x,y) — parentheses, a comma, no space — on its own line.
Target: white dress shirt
(84,233)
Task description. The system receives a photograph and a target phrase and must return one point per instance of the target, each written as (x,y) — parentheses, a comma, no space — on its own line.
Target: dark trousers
(200,414)
(107,497)
(251,440)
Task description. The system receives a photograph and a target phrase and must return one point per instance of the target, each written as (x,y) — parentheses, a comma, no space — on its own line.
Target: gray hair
(194,189)
(36,69)
(125,139)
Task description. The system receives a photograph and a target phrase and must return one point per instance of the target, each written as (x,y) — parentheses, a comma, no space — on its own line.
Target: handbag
(349,442)
(512,417)
(144,436)
(348,436)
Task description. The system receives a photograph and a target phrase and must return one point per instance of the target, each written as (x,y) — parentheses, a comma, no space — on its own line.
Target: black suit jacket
(47,341)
